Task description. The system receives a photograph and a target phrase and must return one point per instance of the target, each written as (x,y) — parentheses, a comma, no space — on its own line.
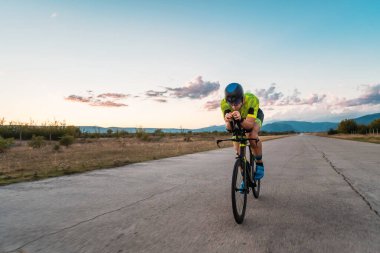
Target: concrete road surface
(318,195)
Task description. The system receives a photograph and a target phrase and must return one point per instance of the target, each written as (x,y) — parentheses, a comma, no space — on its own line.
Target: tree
(362,129)
(348,126)
(375,124)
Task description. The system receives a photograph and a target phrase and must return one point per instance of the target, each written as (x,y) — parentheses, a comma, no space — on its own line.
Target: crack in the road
(347,180)
(349,183)
(19,249)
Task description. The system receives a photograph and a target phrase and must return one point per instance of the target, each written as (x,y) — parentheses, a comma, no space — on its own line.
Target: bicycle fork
(247,177)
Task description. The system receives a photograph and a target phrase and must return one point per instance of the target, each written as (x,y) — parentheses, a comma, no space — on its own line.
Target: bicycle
(238,194)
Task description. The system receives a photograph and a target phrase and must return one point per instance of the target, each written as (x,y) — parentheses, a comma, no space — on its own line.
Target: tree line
(25,131)
(350,126)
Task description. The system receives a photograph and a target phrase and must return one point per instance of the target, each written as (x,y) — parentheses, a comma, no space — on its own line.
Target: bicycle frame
(242,174)
(239,136)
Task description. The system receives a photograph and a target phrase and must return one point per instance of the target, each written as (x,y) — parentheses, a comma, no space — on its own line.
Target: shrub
(67,140)
(5,144)
(141,134)
(332,131)
(145,137)
(56,147)
(159,132)
(37,141)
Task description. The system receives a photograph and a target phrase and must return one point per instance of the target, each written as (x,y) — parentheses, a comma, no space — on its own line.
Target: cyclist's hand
(228,117)
(236,115)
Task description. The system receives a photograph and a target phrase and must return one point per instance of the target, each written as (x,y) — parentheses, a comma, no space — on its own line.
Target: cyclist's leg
(257,151)
(256,147)
(237,147)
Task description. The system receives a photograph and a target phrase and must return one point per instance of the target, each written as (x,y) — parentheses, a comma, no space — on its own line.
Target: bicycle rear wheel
(238,196)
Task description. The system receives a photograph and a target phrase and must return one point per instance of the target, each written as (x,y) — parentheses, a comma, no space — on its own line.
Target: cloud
(268,96)
(272,97)
(54,15)
(75,98)
(104,99)
(314,107)
(314,99)
(152,93)
(113,95)
(107,104)
(196,89)
(327,107)
(161,100)
(294,99)
(371,96)
(212,105)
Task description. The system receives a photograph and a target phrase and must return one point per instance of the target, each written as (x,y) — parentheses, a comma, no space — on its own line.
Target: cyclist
(244,107)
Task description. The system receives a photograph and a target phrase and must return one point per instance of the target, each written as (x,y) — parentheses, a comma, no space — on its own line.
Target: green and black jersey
(250,108)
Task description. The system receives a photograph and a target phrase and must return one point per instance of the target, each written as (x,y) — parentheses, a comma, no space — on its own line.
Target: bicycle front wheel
(239,193)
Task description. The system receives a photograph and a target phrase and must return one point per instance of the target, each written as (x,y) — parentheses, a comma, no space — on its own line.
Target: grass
(23,163)
(354,137)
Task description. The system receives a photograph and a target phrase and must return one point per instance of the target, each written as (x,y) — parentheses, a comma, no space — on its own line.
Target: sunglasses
(234,103)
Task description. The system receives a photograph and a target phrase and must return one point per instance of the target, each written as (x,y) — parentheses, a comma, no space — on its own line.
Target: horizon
(164,64)
(265,123)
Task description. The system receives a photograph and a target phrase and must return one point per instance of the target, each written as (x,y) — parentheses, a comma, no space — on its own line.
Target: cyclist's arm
(248,123)
(228,125)
(250,120)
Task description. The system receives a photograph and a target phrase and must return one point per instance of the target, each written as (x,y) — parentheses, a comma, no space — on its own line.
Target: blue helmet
(234,93)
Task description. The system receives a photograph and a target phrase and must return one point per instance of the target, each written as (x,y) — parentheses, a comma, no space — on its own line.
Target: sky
(166,63)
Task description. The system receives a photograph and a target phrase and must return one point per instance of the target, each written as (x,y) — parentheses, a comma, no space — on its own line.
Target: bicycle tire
(256,189)
(239,200)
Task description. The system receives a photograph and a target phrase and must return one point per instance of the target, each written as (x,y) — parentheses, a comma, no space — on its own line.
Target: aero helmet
(234,93)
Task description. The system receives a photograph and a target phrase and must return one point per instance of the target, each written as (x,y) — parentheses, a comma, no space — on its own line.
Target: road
(318,195)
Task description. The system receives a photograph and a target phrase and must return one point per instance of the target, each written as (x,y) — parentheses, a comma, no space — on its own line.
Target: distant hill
(303,126)
(299,126)
(282,126)
(102,130)
(279,126)
(220,128)
(365,120)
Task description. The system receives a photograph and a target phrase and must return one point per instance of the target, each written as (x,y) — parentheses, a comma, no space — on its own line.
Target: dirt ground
(23,163)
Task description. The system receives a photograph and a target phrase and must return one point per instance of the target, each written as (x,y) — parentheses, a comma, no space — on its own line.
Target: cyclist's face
(236,107)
